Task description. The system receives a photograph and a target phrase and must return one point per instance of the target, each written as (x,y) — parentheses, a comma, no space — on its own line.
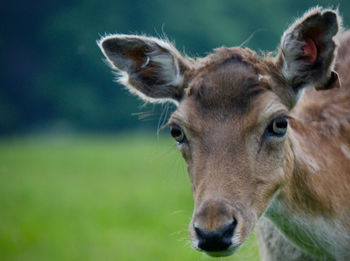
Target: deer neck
(302,209)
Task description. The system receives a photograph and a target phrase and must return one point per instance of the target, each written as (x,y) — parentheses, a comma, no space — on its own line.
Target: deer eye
(278,127)
(177,133)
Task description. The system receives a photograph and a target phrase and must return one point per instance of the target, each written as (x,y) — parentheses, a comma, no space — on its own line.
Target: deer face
(232,124)
(231,130)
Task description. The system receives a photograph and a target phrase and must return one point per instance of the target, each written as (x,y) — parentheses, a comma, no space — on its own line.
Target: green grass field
(97,198)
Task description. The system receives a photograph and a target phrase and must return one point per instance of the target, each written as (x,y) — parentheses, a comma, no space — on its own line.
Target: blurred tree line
(53,75)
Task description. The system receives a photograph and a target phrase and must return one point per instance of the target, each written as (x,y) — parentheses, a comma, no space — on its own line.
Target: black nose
(218,240)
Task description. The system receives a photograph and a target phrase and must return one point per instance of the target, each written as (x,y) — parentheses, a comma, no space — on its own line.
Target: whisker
(250,37)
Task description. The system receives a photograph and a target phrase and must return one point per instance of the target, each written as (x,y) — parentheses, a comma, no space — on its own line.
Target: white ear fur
(151,68)
(170,71)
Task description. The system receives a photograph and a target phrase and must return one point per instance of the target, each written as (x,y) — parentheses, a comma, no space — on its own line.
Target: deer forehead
(229,91)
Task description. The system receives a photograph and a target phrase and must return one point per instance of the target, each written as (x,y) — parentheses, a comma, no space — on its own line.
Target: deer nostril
(218,240)
(230,229)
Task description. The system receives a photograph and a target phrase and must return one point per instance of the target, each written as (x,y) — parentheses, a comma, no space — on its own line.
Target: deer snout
(214,226)
(218,240)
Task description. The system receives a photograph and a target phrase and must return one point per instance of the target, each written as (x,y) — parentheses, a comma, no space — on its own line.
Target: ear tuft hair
(308,50)
(151,68)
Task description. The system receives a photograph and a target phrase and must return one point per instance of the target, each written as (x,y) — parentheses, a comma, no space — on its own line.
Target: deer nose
(217,240)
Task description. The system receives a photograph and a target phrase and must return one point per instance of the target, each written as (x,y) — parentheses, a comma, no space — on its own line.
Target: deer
(265,137)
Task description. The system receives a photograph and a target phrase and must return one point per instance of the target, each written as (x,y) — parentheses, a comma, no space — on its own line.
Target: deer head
(233,121)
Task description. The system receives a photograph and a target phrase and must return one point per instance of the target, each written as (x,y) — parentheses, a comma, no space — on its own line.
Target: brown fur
(223,97)
(295,187)
(324,124)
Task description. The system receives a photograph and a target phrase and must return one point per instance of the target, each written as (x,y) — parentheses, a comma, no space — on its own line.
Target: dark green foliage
(52,72)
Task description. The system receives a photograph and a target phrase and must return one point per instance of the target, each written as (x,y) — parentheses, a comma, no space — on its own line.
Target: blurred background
(83,176)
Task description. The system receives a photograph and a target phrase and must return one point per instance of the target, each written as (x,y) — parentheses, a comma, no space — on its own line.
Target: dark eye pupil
(175,132)
(281,123)
(278,127)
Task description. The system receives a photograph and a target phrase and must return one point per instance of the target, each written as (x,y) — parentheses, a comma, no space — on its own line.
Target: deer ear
(308,51)
(151,68)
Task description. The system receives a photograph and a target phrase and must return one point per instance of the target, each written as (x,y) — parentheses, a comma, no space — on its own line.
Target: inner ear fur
(151,68)
(308,50)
